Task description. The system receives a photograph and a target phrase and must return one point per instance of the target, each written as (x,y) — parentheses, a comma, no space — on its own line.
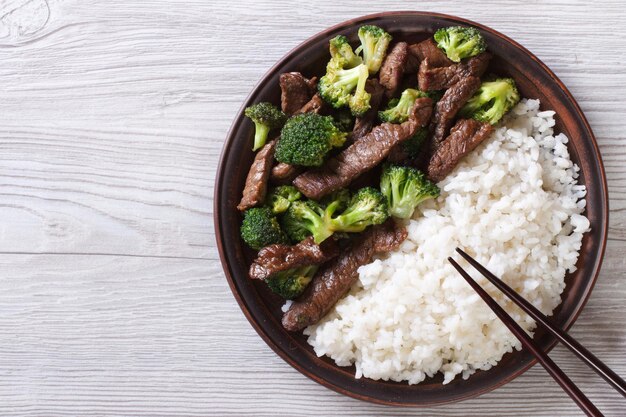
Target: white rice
(515,205)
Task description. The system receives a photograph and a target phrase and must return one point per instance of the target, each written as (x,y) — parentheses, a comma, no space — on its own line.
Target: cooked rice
(515,205)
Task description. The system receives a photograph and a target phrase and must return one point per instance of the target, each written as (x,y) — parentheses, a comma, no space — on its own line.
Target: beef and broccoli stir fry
(356,148)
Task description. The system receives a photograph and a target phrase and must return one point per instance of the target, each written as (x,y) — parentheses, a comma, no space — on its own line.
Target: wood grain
(112,118)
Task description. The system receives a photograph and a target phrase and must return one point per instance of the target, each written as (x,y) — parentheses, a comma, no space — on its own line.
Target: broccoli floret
(405,188)
(291,283)
(399,110)
(367,207)
(435,95)
(266,117)
(281,197)
(346,87)
(374,43)
(344,82)
(341,53)
(304,218)
(459,42)
(324,209)
(360,99)
(344,120)
(413,145)
(492,101)
(298,230)
(339,200)
(306,139)
(293,225)
(260,228)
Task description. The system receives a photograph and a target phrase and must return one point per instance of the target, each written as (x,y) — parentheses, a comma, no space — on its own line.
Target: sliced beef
(362,155)
(426,49)
(412,64)
(363,125)
(315,105)
(296,91)
(334,280)
(464,137)
(256,181)
(422,111)
(392,69)
(431,78)
(446,109)
(397,155)
(283,173)
(275,258)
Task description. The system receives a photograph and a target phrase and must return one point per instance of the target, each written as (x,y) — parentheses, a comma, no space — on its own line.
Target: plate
(263,309)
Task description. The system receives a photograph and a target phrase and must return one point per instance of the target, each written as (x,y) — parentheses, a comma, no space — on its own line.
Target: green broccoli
(306,218)
(344,120)
(280,198)
(342,54)
(297,230)
(344,82)
(492,101)
(374,43)
(459,42)
(292,223)
(435,95)
(303,218)
(399,110)
(346,87)
(340,199)
(367,207)
(266,117)
(360,100)
(413,145)
(405,188)
(260,228)
(307,138)
(291,283)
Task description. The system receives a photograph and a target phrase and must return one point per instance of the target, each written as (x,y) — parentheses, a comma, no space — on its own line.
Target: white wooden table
(112,118)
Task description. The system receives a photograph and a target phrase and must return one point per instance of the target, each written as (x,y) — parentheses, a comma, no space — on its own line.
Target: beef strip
(446,109)
(284,173)
(363,125)
(275,258)
(421,111)
(426,49)
(256,181)
(334,280)
(437,78)
(296,91)
(464,137)
(412,64)
(362,155)
(315,105)
(392,69)
(398,153)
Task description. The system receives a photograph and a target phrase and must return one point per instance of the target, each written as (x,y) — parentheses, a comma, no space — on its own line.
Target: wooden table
(112,118)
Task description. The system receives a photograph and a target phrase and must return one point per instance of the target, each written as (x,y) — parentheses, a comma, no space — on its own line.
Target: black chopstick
(559,376)
(594,363)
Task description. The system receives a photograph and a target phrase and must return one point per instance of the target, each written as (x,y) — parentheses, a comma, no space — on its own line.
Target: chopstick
(589,358)
(559,376)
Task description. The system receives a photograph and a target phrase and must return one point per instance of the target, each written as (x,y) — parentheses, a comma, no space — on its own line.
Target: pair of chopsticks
(559,376)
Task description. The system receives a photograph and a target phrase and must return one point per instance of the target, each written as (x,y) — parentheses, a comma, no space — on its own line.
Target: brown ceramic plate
(262,308)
